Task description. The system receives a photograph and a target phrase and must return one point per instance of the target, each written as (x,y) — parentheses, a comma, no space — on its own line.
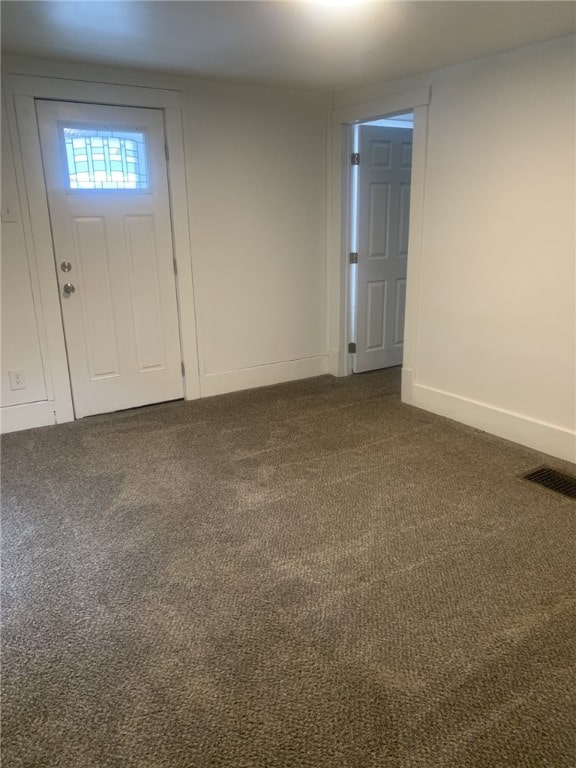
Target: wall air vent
(555,481)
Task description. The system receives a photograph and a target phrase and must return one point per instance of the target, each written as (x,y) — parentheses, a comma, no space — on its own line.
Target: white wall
(495,338)
(256,164)
(495,326)
(257,203)
(20,333)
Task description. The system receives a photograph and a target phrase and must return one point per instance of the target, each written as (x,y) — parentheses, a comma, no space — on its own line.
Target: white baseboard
(262,375)
(547,438)
(16,417)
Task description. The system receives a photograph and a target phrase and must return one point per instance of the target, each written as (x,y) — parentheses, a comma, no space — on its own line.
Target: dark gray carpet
(311,575)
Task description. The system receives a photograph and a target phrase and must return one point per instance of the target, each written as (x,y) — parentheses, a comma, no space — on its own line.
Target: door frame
(22,92)
(339,185)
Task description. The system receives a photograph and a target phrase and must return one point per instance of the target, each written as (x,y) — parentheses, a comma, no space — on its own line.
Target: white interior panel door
(383,213)
(107,185)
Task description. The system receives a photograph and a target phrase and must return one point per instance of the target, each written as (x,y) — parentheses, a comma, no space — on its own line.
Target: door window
(105,159)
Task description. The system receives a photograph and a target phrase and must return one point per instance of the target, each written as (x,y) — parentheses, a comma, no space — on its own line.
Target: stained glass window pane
(105,159)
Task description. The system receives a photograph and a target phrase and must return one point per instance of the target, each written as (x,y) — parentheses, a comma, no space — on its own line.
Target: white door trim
(22,90)
(377,108)
(338,222)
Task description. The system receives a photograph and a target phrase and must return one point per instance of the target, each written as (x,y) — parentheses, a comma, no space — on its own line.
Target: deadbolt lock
(65,266)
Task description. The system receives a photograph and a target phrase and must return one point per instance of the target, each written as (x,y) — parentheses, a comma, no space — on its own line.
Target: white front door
(383,214)
(107,185)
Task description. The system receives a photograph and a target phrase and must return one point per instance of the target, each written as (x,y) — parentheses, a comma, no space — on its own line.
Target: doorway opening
(378,240)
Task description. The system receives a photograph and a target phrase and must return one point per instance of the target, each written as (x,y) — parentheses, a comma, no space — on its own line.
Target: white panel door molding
(107,186)
(383,216)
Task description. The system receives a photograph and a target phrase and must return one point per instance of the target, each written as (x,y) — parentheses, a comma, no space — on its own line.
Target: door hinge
(352,347)
(353,258)
(166,151)
(182,368)
(355,158)
(175,266)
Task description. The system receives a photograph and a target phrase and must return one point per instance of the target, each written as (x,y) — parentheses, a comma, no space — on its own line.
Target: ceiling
(325,46)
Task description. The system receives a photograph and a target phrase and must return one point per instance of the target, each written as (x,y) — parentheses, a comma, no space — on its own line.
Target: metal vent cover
(555,481)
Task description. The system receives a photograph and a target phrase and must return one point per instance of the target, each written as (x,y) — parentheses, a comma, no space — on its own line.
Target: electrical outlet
(17,379)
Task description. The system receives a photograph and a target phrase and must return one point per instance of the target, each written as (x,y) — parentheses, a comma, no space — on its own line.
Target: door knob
(68,289)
